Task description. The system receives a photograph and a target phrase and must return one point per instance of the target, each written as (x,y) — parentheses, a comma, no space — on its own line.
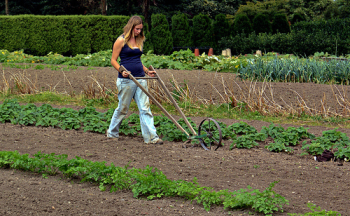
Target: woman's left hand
(151,73)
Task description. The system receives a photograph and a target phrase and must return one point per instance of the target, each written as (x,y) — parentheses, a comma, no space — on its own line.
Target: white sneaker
(109,136)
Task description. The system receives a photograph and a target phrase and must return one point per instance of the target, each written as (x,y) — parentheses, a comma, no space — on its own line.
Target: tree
(298,17)
(202,31)
(7,7)
(160,35)
(242,24)
(103,6)
(280,24)
(181,30)
(212,8)
(331,12)
(221,27)
(145,4)
(261,24)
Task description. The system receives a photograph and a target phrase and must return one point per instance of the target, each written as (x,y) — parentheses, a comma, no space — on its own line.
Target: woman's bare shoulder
(119,41)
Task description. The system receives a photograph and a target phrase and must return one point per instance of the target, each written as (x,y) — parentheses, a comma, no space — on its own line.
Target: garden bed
(301,178)
(209,87)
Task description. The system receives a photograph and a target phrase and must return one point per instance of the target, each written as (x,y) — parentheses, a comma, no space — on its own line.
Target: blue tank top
(131,60)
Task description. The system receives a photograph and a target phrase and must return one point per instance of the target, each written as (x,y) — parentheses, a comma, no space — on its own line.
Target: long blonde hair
(128,32)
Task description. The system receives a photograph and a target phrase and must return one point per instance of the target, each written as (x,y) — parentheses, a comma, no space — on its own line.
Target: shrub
(202,31)
(181,30)
(301,42)
(242,24)
(261,24)
(250,9)
(280,24)
(81,38)
(146,44)
(298,17)
(331,12)
(160,35)
(221,27)
(67,35)
(345,12)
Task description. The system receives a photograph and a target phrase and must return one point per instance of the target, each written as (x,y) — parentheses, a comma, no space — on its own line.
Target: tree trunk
(7,7)
(104,8)
(145,8)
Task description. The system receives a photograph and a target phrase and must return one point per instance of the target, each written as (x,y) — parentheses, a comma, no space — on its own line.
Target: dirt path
(301,178)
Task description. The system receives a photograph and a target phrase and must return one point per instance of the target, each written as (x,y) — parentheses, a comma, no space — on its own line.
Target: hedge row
(305,39)
(67,35)
(71,35)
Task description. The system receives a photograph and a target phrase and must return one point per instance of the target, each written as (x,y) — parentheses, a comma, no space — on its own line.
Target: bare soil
(207,86)
(301,179)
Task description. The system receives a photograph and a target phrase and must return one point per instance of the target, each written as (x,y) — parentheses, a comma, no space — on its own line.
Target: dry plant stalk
(95,90)
(261,99)
(18,83)
(342,100)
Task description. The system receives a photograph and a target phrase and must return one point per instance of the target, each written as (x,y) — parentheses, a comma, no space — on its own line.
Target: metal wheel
(214,136)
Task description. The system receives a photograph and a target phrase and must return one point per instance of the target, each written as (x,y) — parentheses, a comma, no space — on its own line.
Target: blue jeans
(128,90)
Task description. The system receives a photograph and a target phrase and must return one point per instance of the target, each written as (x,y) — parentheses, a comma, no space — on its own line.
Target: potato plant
(149,182)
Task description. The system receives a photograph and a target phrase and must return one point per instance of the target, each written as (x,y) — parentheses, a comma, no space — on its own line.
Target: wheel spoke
(213,134)
(204,130)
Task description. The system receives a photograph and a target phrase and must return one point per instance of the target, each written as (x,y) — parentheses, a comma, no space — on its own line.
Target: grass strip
(148,182)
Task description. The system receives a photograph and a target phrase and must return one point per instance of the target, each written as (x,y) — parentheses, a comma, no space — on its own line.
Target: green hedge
(181,30)
(67,35)
(329,27)
(305,39)
(160,35)
(203,34)
(299,43)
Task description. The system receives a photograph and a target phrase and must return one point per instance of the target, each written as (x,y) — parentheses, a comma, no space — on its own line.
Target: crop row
(270,67)
(241,135)
(179,60)
(297,70)
(148,182)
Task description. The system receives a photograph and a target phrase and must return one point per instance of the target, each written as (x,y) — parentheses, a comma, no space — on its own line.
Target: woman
(128,47)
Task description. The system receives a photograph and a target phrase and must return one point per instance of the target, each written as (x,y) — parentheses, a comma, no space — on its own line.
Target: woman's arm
(148,72)
(117,47)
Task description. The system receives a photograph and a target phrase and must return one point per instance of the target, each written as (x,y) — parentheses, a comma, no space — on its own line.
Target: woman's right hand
(125,74)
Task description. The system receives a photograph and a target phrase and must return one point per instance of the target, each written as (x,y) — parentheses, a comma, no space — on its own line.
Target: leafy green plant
(244,141)
(272,131)
(287,138)
(148,182)
(47,121)
(242,128)
(334,135)
(171,133)
(265,202)
(278,147)
(343,153)
(314,148)
(95,124)
(300,132)
(316,211)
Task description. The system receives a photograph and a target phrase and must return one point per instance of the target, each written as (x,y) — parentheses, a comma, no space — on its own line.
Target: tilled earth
(207,86)
(301,179)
